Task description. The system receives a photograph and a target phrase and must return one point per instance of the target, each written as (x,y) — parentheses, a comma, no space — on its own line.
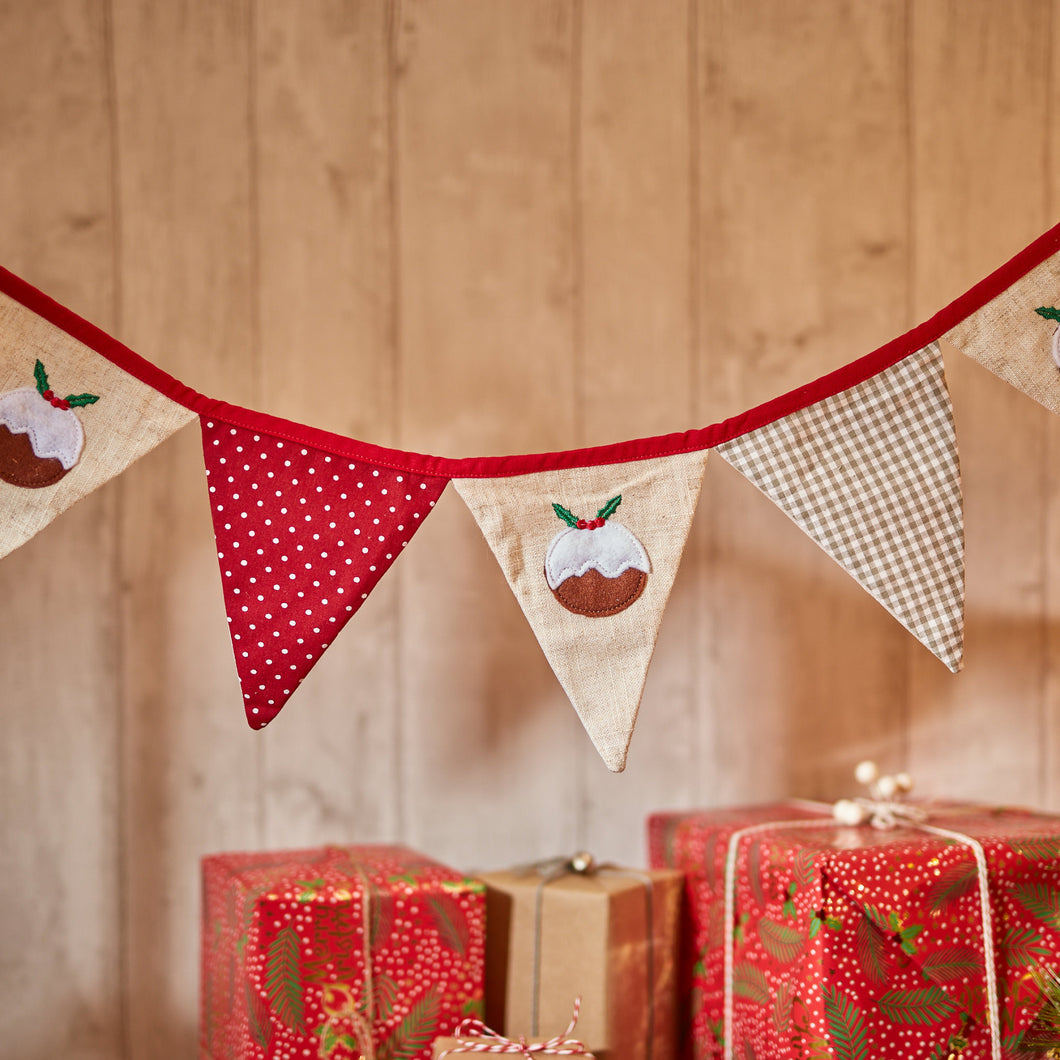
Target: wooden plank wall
(480,227)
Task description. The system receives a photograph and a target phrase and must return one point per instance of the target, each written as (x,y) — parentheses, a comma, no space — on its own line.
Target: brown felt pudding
(596,567)
(40,436)
(594,595)
(20,466)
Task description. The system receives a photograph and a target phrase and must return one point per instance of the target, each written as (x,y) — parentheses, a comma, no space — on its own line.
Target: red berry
(48,395)
(582,524)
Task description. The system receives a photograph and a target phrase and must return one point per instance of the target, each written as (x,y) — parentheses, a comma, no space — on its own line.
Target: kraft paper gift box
(610,937)
(861,942)
(336,952)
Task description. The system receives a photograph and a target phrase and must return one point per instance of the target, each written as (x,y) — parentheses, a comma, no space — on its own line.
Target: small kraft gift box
(337,952)
(572,928)
(876,929)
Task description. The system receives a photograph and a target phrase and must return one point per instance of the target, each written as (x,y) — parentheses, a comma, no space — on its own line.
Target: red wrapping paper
(856,943)
(284,947)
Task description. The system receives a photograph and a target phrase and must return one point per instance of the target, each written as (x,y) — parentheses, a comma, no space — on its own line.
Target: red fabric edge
(826,386)
(97,339)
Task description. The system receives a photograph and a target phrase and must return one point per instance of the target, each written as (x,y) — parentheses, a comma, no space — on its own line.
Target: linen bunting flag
(591,554)
(69,421)
(303,536)
(871,474)
(1016,335)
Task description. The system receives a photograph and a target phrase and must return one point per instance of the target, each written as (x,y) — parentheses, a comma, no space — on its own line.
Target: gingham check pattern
(872,476)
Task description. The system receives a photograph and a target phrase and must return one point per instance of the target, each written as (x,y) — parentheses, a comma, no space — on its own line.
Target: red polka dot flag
(303,536)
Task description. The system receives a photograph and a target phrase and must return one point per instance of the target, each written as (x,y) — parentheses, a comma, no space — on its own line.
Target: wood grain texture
(326,339)
(60,766)
(473,228)
(193,769)
(484,171)
(802,258)
(633,353)
(979,199)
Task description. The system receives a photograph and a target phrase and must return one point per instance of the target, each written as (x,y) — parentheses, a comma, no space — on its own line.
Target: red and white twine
(473,1036)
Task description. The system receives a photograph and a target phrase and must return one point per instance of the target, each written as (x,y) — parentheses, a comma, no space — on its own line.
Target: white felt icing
(53,433)
(611,549)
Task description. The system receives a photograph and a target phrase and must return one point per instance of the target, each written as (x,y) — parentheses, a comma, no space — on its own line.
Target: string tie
(473,1036)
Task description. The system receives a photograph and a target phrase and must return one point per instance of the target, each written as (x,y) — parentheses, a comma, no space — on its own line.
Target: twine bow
(884,809)
(473,1036)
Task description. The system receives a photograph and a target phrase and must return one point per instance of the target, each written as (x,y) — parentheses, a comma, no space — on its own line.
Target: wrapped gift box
(859,942)
(335,952)
(609,937)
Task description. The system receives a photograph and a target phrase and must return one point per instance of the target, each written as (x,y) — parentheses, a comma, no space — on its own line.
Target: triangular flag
(303,536)
(591,554)
(70,419)
(871,474)
(1016,335)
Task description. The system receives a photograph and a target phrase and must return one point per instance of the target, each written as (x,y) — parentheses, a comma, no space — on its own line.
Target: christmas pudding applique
(1052,313)
(596,567)
(40,437)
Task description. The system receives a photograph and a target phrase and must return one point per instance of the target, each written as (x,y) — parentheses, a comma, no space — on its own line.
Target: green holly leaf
(567,516)
(1049,312)
(405,877)
(740,930)
(923,1006)
(846,1024)
(283,985)
(77,401)
(309,889)
(41,376)
(906,936)
(834,923)
(789,909)
(473,1008)
(815,925)
(611,507)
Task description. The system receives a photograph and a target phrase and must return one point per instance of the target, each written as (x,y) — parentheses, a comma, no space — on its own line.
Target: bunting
(1016,335)
(871,474)
(591,554)
(303,536)
(864,460)
(69,421)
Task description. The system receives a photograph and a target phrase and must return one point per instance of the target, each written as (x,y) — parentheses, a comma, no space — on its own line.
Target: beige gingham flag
(1017,334)
(54,451)
(591,554)
(871,474)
